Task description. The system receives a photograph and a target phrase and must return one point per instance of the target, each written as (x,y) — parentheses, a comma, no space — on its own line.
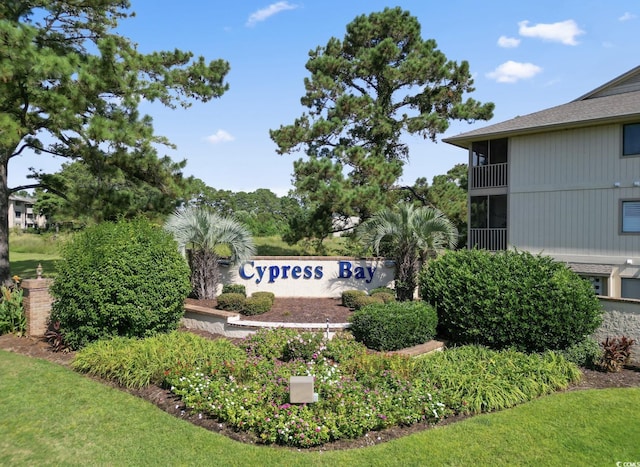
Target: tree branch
(38,185)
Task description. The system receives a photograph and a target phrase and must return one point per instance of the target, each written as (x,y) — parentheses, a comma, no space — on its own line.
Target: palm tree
(408,235)
(206,235)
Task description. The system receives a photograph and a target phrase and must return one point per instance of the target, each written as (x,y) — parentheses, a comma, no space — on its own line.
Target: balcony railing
(488,239)
(489,176)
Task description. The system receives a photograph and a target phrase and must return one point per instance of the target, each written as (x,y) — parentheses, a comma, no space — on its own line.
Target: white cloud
(508,42)
(269,11)
(563,31)
(511,72)
(627,16)
(220,136)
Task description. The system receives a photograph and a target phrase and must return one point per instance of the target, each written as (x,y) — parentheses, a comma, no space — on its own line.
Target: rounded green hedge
(395,325)
(234,288)
(119,279)
(256,305)
(509,299)
(230,301)
(349,297)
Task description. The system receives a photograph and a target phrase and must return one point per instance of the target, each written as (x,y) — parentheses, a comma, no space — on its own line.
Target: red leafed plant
(616,353)
(55,338)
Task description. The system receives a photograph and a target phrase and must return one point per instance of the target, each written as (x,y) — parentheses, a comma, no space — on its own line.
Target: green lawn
(53,416)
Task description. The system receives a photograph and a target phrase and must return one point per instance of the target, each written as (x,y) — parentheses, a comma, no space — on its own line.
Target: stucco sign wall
(314,276)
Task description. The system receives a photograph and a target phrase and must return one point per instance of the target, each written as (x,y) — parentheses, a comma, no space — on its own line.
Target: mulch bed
(293,310)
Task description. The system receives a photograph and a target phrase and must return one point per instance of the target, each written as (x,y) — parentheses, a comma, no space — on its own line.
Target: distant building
(564,182)
(22,215)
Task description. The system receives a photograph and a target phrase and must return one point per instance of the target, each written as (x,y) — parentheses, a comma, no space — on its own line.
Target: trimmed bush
(256,305)
(119,279)
(234,288)
(361,301)
(385,290)
(231,301)
(270,295)
(386,297)
(586,354)
(510,299)
(348,297)
(394,326)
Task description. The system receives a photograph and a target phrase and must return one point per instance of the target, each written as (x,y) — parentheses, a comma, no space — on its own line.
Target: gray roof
(591,269)
(618,100)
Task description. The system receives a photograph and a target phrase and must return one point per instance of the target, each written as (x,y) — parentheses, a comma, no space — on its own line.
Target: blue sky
(524,56)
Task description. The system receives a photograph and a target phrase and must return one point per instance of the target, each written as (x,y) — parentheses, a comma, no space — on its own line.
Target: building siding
(563,199)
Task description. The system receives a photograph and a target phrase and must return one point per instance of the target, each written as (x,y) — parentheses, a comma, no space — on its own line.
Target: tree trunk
(5,272)
(205,273)
(405,280)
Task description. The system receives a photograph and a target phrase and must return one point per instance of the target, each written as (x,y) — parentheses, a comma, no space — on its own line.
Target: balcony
(488,239)
(489,176)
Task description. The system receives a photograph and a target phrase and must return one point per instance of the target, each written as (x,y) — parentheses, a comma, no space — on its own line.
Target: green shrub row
(256,304)
(509,300)
(394,325)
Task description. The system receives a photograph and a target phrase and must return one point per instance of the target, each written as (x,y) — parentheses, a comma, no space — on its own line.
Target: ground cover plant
(358,391)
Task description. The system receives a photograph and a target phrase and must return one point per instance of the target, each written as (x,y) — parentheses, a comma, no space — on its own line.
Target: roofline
(464,141)
(612,82)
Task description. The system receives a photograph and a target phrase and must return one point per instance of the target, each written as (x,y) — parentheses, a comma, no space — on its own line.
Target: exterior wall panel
(563,198)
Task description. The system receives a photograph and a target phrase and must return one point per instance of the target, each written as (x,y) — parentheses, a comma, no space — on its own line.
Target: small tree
(207,236)
(408,234)
(119,279)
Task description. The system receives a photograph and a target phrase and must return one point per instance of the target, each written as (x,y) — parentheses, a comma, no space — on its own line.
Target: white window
(630,216)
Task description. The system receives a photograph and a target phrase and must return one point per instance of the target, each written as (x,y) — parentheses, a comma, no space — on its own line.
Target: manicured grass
(53,416)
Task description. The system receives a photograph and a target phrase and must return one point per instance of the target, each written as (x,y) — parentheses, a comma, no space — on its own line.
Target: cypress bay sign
(314,276)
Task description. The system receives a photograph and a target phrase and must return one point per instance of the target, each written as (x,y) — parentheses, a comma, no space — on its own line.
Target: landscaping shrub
(360,301)
(270,295)
(385,290)
(246,387)
(348,297)
(343,347)
(386,297)
(475,379)
(230,301)
(393,326)
(256,305)
(616,352)
(509,300)
(234,288)
(268,343)
(136,363)
(12,317)
(585,354)
(306,346)
(119,279)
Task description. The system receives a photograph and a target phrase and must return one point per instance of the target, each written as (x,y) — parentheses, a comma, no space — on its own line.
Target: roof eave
(463,141)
